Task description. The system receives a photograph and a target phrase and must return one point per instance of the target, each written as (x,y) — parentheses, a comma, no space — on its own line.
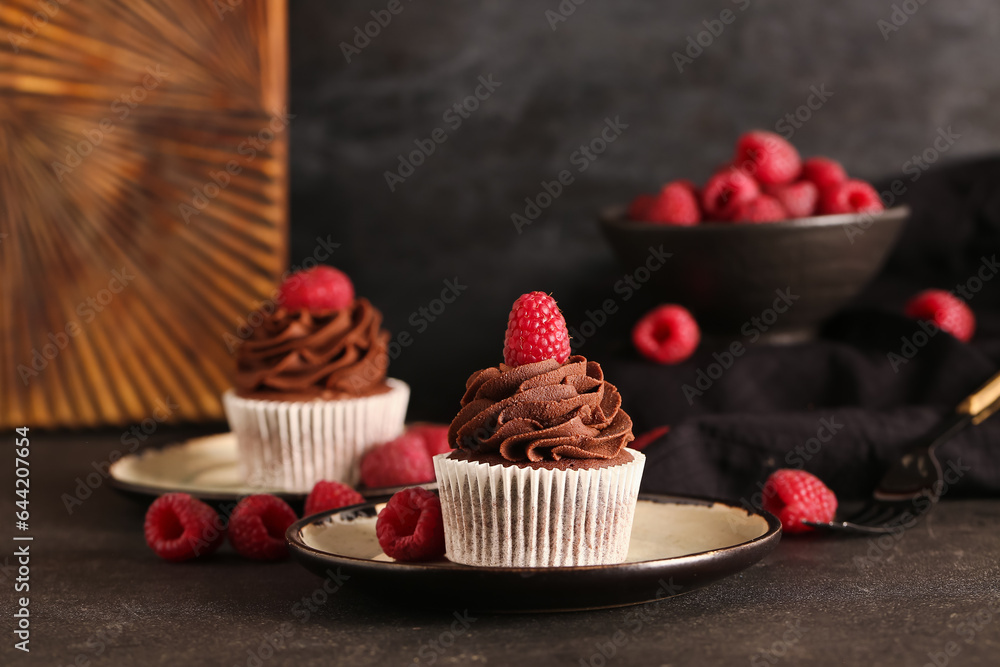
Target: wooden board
(143,202)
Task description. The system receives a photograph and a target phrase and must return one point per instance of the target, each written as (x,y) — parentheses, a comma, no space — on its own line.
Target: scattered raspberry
(725,192)
(435,437)
(330,496)
(823,172)
(948,312)
(852,196)
(399,462)
(319,288)
(536,330)
(767,157)
(257,527)
(798,199)
(795,496)
(638,209)
(762,209)
(650,436)
(179,527)
(677,204)
(410,526)
(667,334)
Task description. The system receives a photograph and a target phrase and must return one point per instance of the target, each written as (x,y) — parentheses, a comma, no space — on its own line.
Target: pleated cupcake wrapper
(505,516)
(291,445)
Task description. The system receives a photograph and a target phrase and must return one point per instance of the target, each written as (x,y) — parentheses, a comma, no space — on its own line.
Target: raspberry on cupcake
(540,475)
(311,395)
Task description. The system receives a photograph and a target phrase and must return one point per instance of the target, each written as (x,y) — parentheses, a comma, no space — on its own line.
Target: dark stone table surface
(100,597)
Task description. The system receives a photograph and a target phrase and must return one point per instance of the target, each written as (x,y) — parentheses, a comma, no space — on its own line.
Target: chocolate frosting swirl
(544,411)
(304,355)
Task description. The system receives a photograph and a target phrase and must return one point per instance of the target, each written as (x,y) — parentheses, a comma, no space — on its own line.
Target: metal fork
(914,482)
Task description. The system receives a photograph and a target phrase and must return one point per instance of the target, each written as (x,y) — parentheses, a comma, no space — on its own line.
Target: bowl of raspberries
(771,244)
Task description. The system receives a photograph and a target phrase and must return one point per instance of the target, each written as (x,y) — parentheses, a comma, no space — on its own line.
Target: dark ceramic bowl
(778,279)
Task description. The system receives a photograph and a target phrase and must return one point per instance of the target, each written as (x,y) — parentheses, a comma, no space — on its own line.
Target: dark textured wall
(892,91)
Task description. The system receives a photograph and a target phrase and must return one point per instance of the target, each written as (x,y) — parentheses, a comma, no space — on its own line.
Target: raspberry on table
(411,527)
(400,462)
(798,199)
(435,437)
(725,192)
(328,495)
(767,157)
(667,334)
(536,331)
(762,209)
(179,527)
(318,288)
(795,496)
(823,172)
(638,208)
(677,204)
(851,196)
(946,311)
(257,527)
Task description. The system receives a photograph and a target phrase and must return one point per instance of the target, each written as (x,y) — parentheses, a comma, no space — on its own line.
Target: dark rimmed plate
(678,544)
(206,467)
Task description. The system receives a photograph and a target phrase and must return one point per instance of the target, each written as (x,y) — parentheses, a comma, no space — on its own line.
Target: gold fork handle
(984,402)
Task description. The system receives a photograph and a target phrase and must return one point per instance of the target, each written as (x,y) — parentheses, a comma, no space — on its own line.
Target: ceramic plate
(205,467)
(678,544)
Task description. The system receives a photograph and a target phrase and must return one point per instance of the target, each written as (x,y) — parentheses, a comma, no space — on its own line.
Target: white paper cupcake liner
(291,445)
(506,516)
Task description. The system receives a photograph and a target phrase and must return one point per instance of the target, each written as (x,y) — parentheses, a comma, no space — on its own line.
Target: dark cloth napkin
(840,406)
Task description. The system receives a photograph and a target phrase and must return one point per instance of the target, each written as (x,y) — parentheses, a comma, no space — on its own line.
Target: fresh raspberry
(667,334)
(330,496)
(257,527)
(767,157)
(319,288)
(823,172)
(435,437)
(798,199)
(179,527)
(948,312)
(536,331)
(851,196)
(677,204)
(410,526)
(650,436)
(399,462)
(762,209)
(795,496)
(725,192)
(638,209)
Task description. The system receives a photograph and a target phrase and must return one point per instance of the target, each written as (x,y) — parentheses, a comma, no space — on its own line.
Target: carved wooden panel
(143,201)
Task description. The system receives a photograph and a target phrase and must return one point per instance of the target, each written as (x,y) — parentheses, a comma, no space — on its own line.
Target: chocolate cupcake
(311,395)
(540,474)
